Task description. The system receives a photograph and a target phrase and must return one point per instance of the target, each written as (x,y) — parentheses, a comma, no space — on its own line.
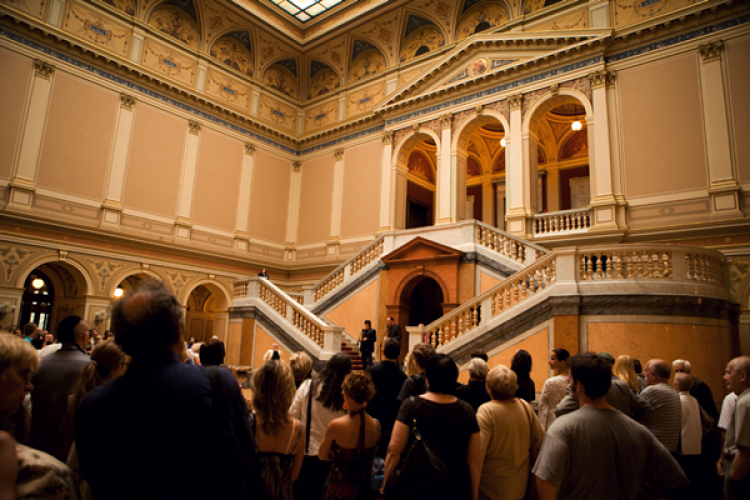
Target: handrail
(506,244)
(355,264)
(562,222)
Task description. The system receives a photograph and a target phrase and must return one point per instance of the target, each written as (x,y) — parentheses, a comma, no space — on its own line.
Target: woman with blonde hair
(277,434)
(301,365)
(625,369)
(511,438)
(350,442)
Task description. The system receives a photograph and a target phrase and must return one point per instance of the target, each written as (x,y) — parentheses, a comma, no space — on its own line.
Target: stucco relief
(321,116)
(428,37)
(364,100)
(178,280)
(485,16)
(400,134)
(11,257)
(460,117)
(278,113)
(366,65)
(271,49)
(168,62)
(176,24)
(333,53)
(104,270)
(382,31)
(95,28)
(227,89)
(127,6)
(501,107)
(280,78)
(530,98)
(575,21)
(629,12)
(582,85)
(218,20)
(324,82)
(234,54)
(34,8)
(441,9)
(433,125)
(530,6)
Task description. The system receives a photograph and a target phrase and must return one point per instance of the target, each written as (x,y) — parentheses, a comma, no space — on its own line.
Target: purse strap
(526,409)
(309,416)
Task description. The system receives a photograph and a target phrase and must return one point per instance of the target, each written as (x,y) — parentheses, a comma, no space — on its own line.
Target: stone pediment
(486,59)
(422,250)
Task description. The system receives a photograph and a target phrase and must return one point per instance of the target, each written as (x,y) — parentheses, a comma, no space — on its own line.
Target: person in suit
(388,379)
(367,344)
(394,330)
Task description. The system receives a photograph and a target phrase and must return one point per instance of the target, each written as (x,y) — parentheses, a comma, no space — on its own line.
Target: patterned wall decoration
(323,80)
(429,37)
(407,76)
(166,61)
(104,270)
(218,20)
(576,146)
(228,90)
(368,64)
(629,12)
(11,257)
(127,6)
(575,21)
(364,100)
(491,14)
(176,24)
(185,5)
(441,9)
(321,116)
(332,53)
(499,164)
(34,8)
(382,31)
(473,168)
(530,6)
(502,107)
(92,26)
(421,166)
(271,49)
(280,77)
(235,54)
(278,113)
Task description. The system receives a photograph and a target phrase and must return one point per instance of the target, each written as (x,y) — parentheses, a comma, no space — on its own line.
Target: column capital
(554,88)
(601,78)
(194,127)
(339,154)
(711,51)
(250,149)
(479,109)
(127,101)
(515,101)
(43,68)
(416,127)
(446,120)
(297,165)
(388,137)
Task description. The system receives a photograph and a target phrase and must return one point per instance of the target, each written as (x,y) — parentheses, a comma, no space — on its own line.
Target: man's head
(479,353)
(73,330)
(368,325)
(148,319)
(392,349)
(657,371)
(737,374)
(212,353)
(391,321)
(608,358)
(683,382)
(30,330)
(590,375)
(681,366)
(478,369)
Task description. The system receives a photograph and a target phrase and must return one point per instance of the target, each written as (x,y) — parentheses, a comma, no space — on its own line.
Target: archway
(206,310)
(416,182)
(425,302)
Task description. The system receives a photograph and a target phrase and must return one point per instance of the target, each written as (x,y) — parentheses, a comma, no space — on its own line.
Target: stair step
(353,353)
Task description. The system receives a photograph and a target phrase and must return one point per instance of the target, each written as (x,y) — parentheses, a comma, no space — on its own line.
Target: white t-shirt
(692,432)
(727,410)
(321,416)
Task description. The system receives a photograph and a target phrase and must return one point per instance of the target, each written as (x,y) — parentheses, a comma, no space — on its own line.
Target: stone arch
(404,146)
(81,273)
(411,280)
(420,30)
(231,48)
(490,12)
(119,276)
(548,100)
(471,124)
(213,286)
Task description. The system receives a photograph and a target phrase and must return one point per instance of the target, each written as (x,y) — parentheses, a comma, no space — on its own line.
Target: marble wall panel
(738,80)
(364,100)
(97,28)
(360,203)
(316,202)
(486,282)
(278,113)
(78,137)
(14,88)
(269,198)
(234,343)
(352,313)
(169,62)
(228,90)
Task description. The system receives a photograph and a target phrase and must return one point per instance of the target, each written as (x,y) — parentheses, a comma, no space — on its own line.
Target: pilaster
(112,206)
(183,223)
(139,35)
(516,213)
(724,189)
(55,12)
(333,242)
(445,190)
(255,102)
(201,80)
(292,221)
(385,182)
(23,184)
(241,236)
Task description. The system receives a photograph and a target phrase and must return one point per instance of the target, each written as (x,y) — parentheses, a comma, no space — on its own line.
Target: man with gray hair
(475,392)
(737,444)
(700,391)
(665,417)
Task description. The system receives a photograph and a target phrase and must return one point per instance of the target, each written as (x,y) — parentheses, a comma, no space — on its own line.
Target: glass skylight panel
(292,9)
(302,16)
(315,9)
(305,10)
(303,4)
(329,3)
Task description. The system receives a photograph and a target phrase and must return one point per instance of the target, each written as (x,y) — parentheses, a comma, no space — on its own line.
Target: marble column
(515,214)
(292,220)
(385,182)
(445,189)
(112,206)
(183,223)
(241,236)
(333,243)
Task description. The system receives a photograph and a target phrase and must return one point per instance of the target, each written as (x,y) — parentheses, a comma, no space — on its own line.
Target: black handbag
(420,466)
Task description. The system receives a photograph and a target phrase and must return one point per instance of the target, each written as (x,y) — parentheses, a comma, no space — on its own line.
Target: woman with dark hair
(446,422)
(315,404)
(521,364)
(554,388)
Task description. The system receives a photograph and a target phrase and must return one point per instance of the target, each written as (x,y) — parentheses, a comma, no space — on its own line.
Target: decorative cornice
(388,137)
(711,51)
(194,127)
(250,149)
(43,69)
(446,120)
(339,154)
(515,101)
(297,165)
(127,101)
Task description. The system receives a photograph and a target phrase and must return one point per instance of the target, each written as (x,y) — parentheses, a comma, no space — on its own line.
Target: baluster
(598,267)
(508,298)
(589,267)
(522,293)
(475,321)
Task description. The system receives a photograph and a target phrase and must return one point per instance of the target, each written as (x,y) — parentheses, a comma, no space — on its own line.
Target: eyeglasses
(679,371)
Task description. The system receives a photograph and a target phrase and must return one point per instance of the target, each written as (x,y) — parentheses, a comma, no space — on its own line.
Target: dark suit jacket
(394,332)
(53,383)
(388,379)
(368,345)
(474,393)
(705,397)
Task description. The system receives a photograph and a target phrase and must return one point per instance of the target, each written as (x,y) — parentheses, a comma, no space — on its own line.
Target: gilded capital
(415,127)
(515,101)
(446,120)
(339,154)
(127,101)
(711,51)
(297,165)
(479,108)
(249,148)
(43,69)
(388,137)
(554,88)
(194,127)
(598,79)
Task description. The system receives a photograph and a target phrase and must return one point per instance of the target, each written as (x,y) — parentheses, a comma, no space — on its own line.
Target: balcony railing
(565,222)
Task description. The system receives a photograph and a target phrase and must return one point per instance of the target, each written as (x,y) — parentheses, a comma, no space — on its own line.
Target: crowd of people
(135,417)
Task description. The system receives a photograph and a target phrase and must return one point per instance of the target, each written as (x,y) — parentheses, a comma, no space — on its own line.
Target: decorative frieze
(711,51)
(43,69)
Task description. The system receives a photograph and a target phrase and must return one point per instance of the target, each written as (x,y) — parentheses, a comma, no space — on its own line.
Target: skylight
(305,10)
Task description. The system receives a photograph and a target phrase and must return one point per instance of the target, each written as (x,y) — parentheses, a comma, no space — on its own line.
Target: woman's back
(355,439)
(276,459)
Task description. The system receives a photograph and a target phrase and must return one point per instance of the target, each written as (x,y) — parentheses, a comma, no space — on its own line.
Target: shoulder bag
(420,466)
(532,493)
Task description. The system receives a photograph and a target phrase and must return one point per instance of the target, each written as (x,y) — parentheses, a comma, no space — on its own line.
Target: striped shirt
(664,421)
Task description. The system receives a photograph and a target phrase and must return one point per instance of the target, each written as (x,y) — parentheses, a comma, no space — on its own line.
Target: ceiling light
(118,292)
(576,125)
(38,283)
(502,142)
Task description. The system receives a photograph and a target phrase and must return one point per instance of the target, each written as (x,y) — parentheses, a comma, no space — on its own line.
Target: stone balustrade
(563,222)
(506,245)
(349,269)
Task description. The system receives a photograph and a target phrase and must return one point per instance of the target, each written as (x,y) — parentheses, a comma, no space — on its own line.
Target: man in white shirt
(690,437)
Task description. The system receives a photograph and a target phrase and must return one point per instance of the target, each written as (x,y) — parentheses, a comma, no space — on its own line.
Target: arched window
(422,50)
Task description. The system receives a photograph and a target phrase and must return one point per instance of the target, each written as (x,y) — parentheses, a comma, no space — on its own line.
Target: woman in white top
(691,430)
(326,404)
(554,388)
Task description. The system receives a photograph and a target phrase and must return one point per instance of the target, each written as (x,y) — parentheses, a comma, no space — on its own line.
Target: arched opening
(200,316)
(37,301)
(425,302)
(480,156)
(422,50)
(418,163)
(559,156)
(131,282)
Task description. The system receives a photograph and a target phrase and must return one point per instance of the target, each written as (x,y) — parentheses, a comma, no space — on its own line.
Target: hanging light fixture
(576,125)
(37,283)
(118,292)
(502,142)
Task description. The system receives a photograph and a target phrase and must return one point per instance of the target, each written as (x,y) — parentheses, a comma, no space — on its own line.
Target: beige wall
(78,137)
(14,87)
(263,343)
(738,73)
(352,313)
(269,197)
(157,147)
(359,214)
(663,147)
(316,200)
(217,180)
